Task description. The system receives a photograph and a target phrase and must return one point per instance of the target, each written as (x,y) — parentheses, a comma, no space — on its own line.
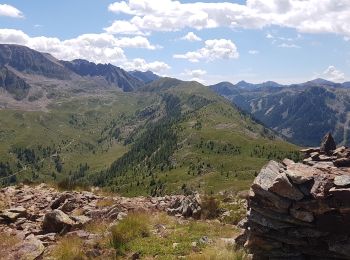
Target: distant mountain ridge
(303,113)
(115,76)
(25,60)
(146,77)
(224,86)
(23,70)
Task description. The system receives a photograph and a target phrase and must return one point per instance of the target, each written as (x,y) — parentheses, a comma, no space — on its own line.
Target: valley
(167,136)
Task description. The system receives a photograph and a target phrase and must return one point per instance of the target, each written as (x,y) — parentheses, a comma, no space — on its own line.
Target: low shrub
(210,208)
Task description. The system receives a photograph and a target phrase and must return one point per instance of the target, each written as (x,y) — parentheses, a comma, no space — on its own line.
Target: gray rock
(328,144)
(269,199)
(342,162)
(30,249)
(205,240)
(81,220)
(258,218)
(189,206)
(342,181)
(12,214)
(60,200)
(322,184)
(300,173)
(302,215)
(273,178)
(57,222)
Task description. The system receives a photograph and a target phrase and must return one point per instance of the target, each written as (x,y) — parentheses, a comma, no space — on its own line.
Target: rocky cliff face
(301,210)
(113,75)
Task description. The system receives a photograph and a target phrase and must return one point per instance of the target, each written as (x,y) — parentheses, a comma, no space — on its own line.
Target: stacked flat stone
(301,210)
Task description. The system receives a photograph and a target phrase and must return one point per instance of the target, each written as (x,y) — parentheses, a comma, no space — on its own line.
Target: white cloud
(269,36)
(309,16)
(142,65)
(253,52)
(333,74)
(123,27)
(192,37)
(213,50)
(100,48)
(195,73)
(289,45)
(10,11)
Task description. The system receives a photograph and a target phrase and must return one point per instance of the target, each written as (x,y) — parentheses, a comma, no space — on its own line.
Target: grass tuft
(69,248)
(219,251)
(134,226)
(107,202)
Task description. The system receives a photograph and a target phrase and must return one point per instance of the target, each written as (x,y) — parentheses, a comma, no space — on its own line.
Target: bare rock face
(301,210)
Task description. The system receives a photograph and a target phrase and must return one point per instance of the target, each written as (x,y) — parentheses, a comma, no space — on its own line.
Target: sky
(288,41)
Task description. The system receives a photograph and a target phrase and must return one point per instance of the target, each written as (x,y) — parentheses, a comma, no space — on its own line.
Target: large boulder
(57,222)
(189,206)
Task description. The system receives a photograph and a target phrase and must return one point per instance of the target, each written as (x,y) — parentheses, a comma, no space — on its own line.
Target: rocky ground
(37,216)
(301,210)
(40,222)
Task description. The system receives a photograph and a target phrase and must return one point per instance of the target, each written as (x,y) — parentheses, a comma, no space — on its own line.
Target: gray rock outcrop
(301,210)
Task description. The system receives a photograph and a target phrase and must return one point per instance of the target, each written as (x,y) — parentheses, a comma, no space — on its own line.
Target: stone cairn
(301,210)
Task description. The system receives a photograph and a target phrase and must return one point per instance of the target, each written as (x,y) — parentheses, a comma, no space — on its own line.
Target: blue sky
(256,40)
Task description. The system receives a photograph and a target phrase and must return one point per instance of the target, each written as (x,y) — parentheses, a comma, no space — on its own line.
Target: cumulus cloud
(100,48)
(311,16)
(195,73)
(213,50)
(333,74)
(10,11)
(123,27)
(142,65)
(192,37)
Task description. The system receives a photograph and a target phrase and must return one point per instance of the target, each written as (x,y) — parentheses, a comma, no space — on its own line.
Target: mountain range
(135,133)
(302,113)
(28,75)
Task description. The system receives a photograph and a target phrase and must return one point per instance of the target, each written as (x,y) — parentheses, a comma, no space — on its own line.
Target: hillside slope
(70,126)
(199,141)
(170,136)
